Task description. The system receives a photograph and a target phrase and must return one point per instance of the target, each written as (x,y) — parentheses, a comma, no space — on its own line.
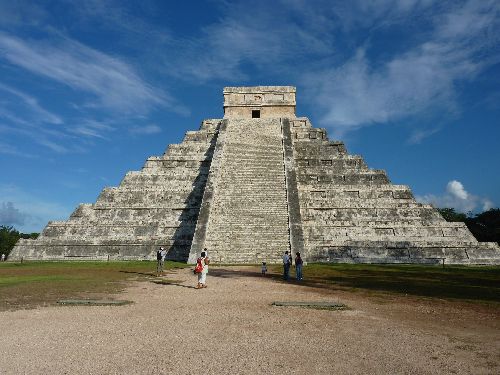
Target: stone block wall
(157,206)
(270,101)
(351,213)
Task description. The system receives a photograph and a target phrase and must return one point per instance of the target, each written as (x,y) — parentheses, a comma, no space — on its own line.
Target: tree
(450,214)
(485,226)
(9,236)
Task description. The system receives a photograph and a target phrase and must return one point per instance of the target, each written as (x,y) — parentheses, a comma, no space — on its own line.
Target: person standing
(3,257)
(202,276)
(286,266)
(160,260)
(264,268)
(298,266)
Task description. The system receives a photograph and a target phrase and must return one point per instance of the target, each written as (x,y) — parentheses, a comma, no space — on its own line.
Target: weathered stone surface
(157,206)
(351,213)
(250,188)
(268,101)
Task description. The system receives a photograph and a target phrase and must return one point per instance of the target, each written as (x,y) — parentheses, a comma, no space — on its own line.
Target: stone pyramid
(252,185)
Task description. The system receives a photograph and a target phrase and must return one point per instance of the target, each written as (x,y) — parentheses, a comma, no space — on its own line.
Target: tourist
(3,257)
(286,266)
(264,268)
(202,276)
(160,259)
(298,267)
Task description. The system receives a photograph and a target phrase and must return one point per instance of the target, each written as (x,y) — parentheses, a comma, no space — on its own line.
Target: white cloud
(146,129)
(10,215)
(458,198)
(422,79)
(456,189)
(28,213)
(114,83)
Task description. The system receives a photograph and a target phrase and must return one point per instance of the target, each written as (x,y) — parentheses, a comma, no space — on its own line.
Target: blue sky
(90,88)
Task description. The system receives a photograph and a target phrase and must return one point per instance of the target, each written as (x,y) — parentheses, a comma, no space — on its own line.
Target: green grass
(32,284)
(453,282)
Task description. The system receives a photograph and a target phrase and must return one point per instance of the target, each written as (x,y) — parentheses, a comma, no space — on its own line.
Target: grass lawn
(31,284)
(472,283)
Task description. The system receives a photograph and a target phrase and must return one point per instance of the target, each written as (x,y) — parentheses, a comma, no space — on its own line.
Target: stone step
(429,231)
(249,208)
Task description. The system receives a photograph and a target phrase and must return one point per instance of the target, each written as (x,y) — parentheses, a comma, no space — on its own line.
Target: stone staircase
(248,218)
(157,206)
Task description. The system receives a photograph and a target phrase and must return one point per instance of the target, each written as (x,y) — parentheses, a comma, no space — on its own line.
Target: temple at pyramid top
(259,102)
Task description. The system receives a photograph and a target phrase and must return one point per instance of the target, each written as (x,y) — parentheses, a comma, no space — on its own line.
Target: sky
(89,89)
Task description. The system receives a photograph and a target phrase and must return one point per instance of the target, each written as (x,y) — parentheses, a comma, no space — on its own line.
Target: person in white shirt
(286,266)
(202,276)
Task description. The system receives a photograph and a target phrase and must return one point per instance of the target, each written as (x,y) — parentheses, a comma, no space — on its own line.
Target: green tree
(9,236)
(485,226)
(450,214)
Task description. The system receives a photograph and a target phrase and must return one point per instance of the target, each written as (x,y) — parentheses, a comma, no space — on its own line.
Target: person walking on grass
(298,266)
(286,266)
(202,276)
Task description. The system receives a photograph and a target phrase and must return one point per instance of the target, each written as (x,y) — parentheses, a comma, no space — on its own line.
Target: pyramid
(250,186)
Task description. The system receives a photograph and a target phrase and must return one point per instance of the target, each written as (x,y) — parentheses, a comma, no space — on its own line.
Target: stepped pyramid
(252,185)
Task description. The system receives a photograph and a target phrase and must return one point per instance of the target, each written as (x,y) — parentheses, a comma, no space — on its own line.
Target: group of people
(203,261)
(288,263)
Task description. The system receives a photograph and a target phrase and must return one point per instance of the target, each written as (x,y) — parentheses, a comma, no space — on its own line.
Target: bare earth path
(231,328)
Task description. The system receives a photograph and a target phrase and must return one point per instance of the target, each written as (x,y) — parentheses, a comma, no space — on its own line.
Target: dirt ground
(232,328)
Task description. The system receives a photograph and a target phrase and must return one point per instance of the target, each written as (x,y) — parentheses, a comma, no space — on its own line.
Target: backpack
(199,266)
(158,255)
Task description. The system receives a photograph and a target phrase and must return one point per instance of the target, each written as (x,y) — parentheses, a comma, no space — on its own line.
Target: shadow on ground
(463,283)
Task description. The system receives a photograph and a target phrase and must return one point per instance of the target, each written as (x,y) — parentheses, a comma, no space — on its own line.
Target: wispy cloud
(422,79)
(115,17)
(247,35)
(8,149)
(92,128)
(356,94)
(30,104)
(418,135)
(115,84)
(109,91)
(20,13)
(145,130)
(458,198)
